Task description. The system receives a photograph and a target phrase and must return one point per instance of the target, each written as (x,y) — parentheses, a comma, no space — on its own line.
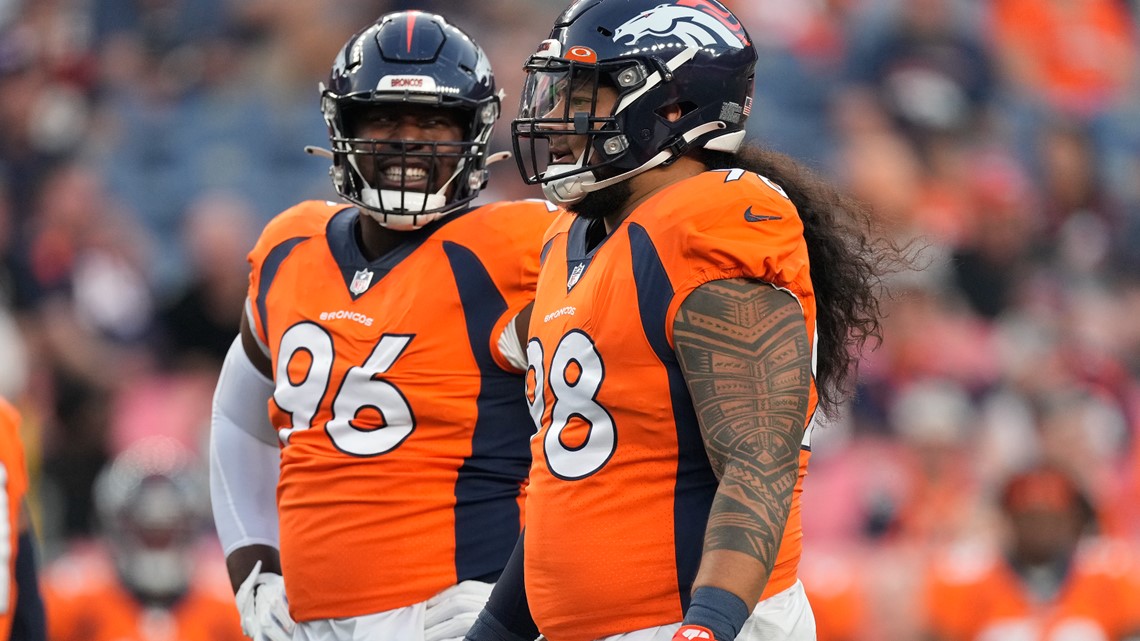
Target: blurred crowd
(144,142)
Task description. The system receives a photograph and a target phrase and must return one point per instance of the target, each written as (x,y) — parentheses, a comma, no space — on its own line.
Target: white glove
(263,607)
(450,614)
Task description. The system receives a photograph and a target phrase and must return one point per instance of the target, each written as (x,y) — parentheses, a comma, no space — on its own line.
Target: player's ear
(672,112)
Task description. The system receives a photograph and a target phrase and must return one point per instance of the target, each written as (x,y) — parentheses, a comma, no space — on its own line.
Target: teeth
(411,174)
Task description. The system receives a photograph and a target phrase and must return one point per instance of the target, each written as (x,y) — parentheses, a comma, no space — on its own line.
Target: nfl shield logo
(361,281)
(575,274)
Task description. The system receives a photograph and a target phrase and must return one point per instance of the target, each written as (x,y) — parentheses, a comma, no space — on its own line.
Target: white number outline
(569,400)
(733,175)
(361,387)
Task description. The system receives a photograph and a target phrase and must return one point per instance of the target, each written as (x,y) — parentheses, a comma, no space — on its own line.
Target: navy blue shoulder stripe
(269,268)
(490,479)
(482,302)
(545,251)
(654,291)
(695,484)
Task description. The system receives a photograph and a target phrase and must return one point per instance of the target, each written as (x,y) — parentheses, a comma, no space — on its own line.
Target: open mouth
(403,177)
(561,155)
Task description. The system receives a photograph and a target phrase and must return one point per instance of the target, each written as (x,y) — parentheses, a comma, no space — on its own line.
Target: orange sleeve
(957,585)
(524,224)
(942,604)
(84,610)
(1115,564)
(15,487)
(746,229)
(59,615)
(13,447)
(297,223)
(206,618)
(836,594)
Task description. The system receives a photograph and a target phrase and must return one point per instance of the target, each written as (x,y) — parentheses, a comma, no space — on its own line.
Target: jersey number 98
(576,373)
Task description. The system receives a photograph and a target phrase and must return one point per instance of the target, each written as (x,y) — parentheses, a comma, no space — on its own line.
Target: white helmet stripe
(654,79)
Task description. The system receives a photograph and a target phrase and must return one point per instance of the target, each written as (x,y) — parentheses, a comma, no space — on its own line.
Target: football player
(146,579)
(382,494)
(1056,577)
(692,313)
(21,605)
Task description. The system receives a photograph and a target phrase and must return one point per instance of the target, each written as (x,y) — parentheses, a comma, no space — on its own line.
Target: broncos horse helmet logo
(690,25)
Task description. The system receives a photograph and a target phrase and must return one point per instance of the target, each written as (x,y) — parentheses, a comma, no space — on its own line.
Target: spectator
(196,325)
(927,70)
(85,309)
(1074,56)
(151,573)
(1054,576)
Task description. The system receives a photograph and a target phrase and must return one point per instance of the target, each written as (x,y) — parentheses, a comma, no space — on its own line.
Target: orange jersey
(85,602)
(405,430)
(1056,39)
(837,594)
(621,485)
(979,597)
(14,475)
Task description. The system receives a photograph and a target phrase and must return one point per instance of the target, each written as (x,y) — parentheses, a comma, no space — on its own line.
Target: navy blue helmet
(411,58)
(691,54)
(153,503)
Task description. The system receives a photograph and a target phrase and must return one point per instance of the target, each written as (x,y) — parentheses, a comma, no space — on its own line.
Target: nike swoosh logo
(756,218)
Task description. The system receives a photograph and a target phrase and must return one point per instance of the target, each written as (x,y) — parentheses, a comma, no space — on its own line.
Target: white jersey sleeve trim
(249,317)
(510,346)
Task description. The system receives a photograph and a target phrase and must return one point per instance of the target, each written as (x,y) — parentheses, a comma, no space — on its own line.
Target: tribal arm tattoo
(744,351)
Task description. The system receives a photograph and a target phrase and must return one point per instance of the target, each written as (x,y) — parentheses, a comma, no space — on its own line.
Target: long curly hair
(848,265)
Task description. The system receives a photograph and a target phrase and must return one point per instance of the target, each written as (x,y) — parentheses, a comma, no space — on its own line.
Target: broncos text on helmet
(693,54)
(414,59)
